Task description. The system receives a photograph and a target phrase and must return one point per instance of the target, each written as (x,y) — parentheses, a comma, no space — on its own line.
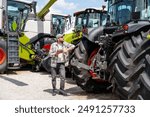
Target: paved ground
(27,85)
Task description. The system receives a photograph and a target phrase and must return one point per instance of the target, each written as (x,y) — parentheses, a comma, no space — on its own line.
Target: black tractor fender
(38,37)
(117,35)
(93,35)
(138,27)
(133,28)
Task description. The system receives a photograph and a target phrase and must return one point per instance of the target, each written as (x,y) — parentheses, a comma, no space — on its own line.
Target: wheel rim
(92,57)
(92,73)
(2,56)
(47,47)
(89,62)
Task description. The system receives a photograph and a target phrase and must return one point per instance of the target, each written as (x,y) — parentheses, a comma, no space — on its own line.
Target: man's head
(59,37)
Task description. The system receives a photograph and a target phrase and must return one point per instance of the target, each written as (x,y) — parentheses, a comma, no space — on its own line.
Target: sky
(70,6)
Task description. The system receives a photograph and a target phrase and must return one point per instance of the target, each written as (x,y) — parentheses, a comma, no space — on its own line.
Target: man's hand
(65,50)
(58,52)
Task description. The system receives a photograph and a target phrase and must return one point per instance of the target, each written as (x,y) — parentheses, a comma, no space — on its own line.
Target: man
(57,53)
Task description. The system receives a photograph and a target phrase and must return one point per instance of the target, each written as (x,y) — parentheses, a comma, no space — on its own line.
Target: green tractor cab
(16,49)
(14,16)
(85,20)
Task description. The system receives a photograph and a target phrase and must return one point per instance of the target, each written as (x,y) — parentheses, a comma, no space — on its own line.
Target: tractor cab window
(94,20)
(121,11)
(80,21)
(17,15)
(143,6)
(24,15)
(139,5)
(58,24)
(103,19)
(90,19)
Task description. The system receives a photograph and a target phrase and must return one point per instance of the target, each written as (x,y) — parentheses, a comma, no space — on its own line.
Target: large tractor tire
(3,57)
(84,54)
(131,77)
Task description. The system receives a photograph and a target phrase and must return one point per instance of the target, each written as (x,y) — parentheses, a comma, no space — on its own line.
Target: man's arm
(52,51)
(68,47)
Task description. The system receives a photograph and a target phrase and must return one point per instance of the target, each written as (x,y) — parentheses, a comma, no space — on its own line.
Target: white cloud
(62,5)
(65,5)
(53,10)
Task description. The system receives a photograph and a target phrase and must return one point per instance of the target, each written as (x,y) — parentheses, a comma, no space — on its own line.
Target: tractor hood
(93,34)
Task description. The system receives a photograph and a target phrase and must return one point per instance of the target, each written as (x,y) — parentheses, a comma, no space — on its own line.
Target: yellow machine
(16,48)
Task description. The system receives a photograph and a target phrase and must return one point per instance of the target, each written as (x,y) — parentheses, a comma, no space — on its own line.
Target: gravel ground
(27,85)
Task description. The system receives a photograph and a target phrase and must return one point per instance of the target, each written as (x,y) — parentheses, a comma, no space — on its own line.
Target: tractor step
(95,78)
(14,67)
(13,50)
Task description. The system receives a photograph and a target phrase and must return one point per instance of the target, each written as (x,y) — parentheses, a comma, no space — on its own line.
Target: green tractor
(16,49)
(117,55)
(83,21)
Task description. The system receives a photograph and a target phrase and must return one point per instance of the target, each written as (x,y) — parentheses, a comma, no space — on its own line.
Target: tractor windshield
(120,11)
(90,19)
(17,15)
(143,6)
(58,24)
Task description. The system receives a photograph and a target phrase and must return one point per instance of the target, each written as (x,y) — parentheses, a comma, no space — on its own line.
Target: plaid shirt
(62,57)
